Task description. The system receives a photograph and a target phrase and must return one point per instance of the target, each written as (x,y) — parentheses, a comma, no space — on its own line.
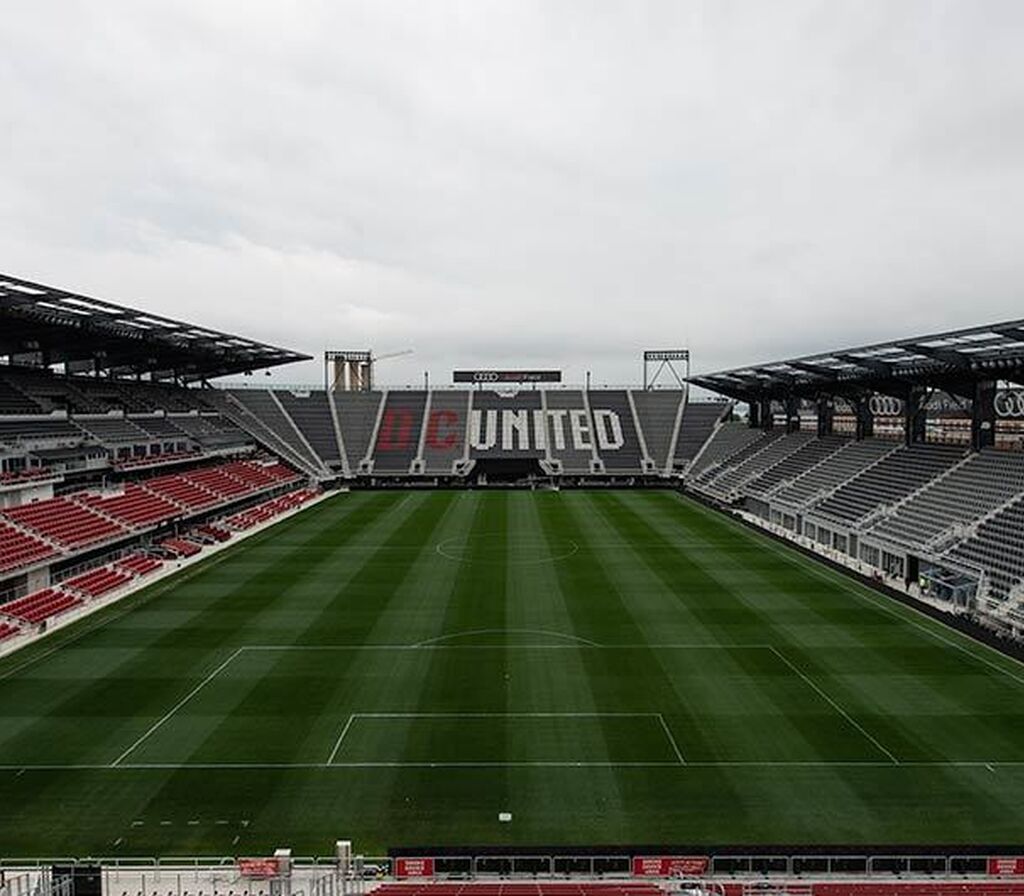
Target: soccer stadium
(503,629)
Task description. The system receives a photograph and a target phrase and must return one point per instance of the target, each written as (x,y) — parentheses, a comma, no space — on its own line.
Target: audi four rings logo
(485,376)
(884,405)
(1009,404)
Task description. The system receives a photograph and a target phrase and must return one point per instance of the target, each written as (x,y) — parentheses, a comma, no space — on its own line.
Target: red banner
(414,867)
(670,866)
(258,867)
(1009,866)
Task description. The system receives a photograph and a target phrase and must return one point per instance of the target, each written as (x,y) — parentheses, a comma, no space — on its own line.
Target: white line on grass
(341,737)
(505,715)
(178,706)
(836,706)
(671,739)
(692,764)
(507,631)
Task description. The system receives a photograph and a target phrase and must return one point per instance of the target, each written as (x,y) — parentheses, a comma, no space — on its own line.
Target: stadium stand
(570,437)
(813,452)
(818,481)
(892,479)
(658,414)
(113,430)
(770,451)
(311,414)
(97,582)
(64,522)
(444,436)
(982,483)
(617,428)
(997,547)
(136,507)
(725,443)
(18,548)
(357,416)
(698,423)
(398,433)
(41,605)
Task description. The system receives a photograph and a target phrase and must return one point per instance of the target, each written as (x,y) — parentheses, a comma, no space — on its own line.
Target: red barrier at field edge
(671,866)
(414,868)
(259,868)
(880,888)
(1006,866)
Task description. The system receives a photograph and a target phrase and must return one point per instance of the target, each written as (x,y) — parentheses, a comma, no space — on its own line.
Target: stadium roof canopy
(993,352)
(44,325)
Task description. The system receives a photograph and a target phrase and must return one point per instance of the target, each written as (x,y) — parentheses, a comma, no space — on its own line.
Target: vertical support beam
(914,416)
(755,414)
(826,415)
(767,418)
(983,415)
(865,427)
(792,405)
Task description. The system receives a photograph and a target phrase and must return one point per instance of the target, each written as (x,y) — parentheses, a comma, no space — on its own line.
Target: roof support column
(765,415)
(983,415)
(865,425)
(826,415)
(915,415)
(792,406)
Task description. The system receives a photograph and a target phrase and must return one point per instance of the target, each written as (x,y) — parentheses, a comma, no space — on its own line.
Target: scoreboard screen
(507,376)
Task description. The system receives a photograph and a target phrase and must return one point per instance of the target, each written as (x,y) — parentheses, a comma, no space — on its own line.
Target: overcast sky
(556,183)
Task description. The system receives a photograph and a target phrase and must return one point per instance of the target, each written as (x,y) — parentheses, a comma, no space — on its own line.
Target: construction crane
(353,370)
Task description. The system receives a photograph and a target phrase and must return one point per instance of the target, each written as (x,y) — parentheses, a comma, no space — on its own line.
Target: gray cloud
(501,183)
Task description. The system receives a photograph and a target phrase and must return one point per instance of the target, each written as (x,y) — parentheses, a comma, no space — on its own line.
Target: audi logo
(1009,404)
(485,376)
(885,405)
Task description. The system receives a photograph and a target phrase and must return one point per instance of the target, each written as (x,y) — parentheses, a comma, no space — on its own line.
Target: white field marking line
(341,737)
(178,705)
(524,715)
(863,593)
(821,693)
(692,764)
(439,548)
(574,646)
(507,631)
(671,739)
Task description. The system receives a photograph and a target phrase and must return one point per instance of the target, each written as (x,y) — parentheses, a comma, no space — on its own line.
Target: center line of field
(835,705)
(177,706)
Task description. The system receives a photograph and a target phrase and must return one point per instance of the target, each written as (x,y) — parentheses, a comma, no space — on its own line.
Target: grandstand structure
(113,460)
(902,460)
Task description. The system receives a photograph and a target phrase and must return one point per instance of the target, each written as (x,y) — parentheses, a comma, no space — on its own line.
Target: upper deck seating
(113,430)
(357,416)
(40,429)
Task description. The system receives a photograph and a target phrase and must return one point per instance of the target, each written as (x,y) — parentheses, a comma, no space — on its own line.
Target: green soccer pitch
(608,666)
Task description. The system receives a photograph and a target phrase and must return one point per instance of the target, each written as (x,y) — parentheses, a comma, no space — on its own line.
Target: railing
(314,870)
